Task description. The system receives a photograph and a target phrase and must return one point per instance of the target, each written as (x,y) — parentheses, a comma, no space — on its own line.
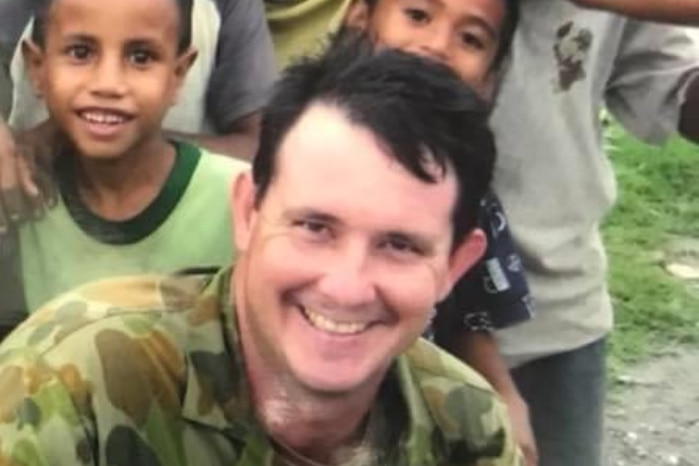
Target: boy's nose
(108,78)
(435,45)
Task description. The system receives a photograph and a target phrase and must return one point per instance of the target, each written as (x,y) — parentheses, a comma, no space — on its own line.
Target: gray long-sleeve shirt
(553,177)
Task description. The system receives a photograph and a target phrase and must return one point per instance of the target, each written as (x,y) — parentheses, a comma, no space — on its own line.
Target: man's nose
(349,280)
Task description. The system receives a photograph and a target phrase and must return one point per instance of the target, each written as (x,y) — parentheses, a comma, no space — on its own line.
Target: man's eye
(141,57)
(417,15)
(79,51)
(311,227)
(472,41)
(402,246)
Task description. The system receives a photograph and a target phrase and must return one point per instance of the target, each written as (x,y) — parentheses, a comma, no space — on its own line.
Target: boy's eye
(141,57)
(472,40)
(417,15)
(79,51)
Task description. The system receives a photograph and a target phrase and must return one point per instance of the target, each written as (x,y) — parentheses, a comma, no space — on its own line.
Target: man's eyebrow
(422,241)
(310,214)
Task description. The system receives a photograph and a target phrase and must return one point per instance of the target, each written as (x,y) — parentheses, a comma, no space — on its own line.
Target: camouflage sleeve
(83,382)
(470,417)
(39,421)
(510,454)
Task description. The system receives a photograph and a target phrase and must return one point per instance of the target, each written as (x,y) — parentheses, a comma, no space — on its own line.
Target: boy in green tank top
(130,200)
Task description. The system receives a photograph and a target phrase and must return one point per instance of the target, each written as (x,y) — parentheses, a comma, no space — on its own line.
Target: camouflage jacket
(147,371)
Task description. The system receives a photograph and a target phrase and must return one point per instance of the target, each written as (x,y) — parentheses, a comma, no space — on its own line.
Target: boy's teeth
(332,326)
(103,118)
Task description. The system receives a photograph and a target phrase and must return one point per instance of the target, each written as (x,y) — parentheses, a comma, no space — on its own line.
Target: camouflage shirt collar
(216,393)
(217,396)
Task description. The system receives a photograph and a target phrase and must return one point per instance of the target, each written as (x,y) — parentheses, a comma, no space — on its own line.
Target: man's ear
(462,258)
(184,63)
(357,15)
(34,62)
(244,209)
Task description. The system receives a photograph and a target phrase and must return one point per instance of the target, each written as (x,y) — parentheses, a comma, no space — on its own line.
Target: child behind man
(131,201)
(473,38)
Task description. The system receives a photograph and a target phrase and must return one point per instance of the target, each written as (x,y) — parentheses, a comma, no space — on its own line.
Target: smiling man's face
(342,259)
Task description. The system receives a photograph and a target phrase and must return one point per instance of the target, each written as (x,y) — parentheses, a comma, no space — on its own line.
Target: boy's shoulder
(214,161)
(205,170)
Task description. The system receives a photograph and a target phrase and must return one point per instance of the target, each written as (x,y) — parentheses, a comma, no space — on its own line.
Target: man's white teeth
(102,118)
(332,326)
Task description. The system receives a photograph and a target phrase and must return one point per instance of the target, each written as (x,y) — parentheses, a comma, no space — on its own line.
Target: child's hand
(26,187)
(521,425)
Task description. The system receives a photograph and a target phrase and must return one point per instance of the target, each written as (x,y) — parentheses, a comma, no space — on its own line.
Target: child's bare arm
(672,11)
(241,80)
(689,114)
(24,190)
(240,140)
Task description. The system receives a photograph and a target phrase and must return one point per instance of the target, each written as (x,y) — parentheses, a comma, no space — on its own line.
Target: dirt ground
(653,416)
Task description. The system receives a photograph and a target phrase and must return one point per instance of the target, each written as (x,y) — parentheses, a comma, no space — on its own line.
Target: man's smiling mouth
(326,324)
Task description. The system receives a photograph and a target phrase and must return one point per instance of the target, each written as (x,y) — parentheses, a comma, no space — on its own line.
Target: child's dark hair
(419,109)
(42,10)
(507,31)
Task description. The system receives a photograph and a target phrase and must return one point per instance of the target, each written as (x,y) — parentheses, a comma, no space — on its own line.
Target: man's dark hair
(507,29)
(420,111)
(42,10)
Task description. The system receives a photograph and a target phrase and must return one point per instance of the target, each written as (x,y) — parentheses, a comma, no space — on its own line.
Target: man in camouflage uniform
(359,215)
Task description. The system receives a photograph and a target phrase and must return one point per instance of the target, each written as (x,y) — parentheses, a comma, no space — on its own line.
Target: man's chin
(338,380)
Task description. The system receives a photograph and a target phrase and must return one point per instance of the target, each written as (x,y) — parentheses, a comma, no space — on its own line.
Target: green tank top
(187,225)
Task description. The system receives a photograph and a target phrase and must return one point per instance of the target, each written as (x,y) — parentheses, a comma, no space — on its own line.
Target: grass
(658,198)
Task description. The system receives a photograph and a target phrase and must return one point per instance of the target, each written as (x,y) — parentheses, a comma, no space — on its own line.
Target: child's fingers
(11,199)
(15,207)
(26,180)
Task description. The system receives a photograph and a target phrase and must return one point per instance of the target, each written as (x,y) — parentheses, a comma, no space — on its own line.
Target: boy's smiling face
(108,71)
(462,34)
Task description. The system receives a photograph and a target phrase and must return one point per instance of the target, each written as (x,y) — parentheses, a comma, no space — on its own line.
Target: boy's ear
(244,209)
(463,258)
(182,66)
(34,62)
(357,15)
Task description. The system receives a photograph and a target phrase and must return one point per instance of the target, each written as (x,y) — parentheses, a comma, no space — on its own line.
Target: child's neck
(119,189)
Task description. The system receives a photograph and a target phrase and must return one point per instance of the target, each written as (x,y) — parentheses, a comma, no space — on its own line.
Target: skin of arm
(684,12)
(240,141)
(689,113)
(480,351)
(25,183)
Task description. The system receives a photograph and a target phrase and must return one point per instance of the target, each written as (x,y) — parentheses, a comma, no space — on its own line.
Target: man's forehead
(325,136)
(326,160)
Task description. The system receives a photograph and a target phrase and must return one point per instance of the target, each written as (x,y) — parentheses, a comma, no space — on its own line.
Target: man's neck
(120,188)
(318,426)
